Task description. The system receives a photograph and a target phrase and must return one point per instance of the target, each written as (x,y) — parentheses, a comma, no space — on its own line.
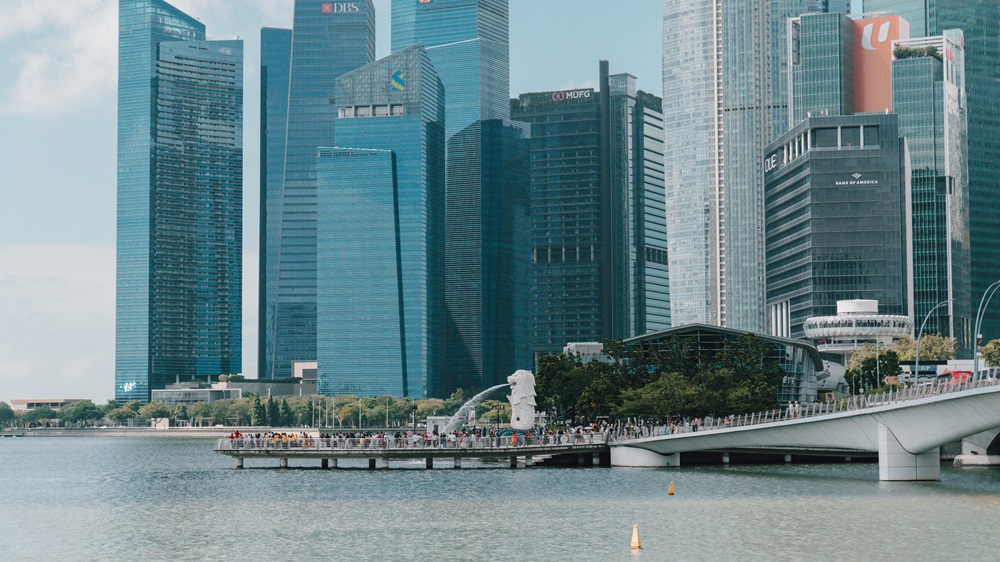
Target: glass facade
(821,49)
(929,96)
(693,160)
(328,40)
(835,219)
(275,67)
(590,260)
(487,250)
(754,109)
(180,163)
(396,106)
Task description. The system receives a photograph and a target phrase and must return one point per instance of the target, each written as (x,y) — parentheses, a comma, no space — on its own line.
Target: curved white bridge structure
(905,428)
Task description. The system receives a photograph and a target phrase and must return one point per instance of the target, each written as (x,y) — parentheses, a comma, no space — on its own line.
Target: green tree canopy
(82,411)
(870,372)
(258,415)
(932,348)
(181,412)
(991,353)
(120,415)
(154,410)
(38,415)
(7,414)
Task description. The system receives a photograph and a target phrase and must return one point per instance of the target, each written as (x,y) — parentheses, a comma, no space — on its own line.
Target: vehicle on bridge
(954,377)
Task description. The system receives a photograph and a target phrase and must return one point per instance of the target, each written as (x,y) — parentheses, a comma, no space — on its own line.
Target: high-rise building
(597,212)
(836,219)
(487,249)
(328,39)
(928,93)
(979,21)
(693,160)
(180,201)
(381,310)
(275,63)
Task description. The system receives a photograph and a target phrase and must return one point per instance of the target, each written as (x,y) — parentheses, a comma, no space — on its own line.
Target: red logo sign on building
(327,7)
(424,1)
(558,96)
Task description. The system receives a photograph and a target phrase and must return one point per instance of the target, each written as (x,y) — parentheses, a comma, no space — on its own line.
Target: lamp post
(916,368)
(984,302)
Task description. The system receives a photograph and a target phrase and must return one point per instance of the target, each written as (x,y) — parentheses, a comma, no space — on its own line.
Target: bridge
(582,449)
(906,428)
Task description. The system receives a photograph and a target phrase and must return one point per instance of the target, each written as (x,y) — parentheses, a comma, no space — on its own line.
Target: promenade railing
(852,403)
(387,443)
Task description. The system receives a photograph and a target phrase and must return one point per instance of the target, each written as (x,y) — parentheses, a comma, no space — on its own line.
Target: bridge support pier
(725,458)
(283,462)
(633,456)
(896,463)
(458,462)
(371,464)
(528,461)
(333,463)
(239,462)
(513,462)
(325,463)
(385,463)
(430,463)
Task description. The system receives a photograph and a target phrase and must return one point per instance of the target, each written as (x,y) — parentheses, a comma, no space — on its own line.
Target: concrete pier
(458,462)
(283,462)
(325,463)
(371,464)
(896,463)
(239,462)
(430,463)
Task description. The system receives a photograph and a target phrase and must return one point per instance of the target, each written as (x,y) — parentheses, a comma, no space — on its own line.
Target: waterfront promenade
(520,450)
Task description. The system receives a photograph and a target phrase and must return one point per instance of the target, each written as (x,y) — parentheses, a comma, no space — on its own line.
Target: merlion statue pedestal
(522,400)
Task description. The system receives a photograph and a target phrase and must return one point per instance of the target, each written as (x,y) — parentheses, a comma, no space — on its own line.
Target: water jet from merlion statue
(522,401)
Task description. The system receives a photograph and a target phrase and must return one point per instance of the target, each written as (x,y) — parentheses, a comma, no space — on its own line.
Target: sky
(58,127)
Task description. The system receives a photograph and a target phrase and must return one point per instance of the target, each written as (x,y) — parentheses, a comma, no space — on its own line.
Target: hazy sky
(58,80)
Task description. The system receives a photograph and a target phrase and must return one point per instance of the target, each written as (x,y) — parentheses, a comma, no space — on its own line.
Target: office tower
(928,93)
(754,112)
(836,219)
(597,212)
(180,174)
(487,249)
(833,6)
(693,161)
(275,62)
(328,40)
(381,311)
(979,21)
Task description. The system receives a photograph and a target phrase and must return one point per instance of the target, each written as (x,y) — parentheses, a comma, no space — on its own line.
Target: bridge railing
(379,443)
(857,402)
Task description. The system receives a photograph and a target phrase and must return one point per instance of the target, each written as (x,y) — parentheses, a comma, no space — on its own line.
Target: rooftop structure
(857,322)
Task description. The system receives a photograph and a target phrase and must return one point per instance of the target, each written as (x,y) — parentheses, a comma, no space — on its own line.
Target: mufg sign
(564,95)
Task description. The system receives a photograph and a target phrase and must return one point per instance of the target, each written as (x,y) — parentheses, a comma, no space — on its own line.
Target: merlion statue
(522,400)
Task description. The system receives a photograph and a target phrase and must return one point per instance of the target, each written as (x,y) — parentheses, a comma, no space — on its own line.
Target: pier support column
(458,462)
(385,463)
(513,462)
(239,462)
(528,461)
(430,463)
(725,458)
(371,464)
(580,460)
(325,463)
(788,459)
(283,462)
(333,464)
(896,463)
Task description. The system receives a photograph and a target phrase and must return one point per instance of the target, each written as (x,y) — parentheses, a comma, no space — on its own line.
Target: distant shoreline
(197,432)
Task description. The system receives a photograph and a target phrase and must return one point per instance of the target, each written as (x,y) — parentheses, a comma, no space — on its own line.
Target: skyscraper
(328,40)
(598,220)
(979,21)
(487,251)
(180,164)
(928,93)
(693,160)
(381,309)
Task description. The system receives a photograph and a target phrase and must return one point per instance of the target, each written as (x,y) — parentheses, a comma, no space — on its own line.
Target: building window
(825,137)
(871,135)
(850,136)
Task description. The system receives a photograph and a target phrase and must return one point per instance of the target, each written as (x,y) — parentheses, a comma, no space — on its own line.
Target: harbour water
(174,499)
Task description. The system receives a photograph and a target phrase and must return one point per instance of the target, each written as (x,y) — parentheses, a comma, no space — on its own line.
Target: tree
(494,411)
(258,415)
(181,412)
(7,414)
(991,353)
(286,416)
(154,410)
(39,415)
(559,383)
(932,348)
(273,414)
(671,394)
(82,411)
(133,405)
(870,372)
(120,415)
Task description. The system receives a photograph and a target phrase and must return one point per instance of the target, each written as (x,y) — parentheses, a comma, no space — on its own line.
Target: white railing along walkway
(385,443)
(858,402)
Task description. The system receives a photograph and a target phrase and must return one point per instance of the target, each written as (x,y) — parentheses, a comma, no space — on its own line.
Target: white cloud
(64,54)
(57,305)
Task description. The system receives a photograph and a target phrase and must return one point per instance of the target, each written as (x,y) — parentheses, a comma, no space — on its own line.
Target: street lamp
(916,368)
(983,304)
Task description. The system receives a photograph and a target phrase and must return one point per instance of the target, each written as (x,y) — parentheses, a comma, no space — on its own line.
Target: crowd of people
(470,438)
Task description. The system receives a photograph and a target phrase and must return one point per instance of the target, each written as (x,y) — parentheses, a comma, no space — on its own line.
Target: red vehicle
(954,377)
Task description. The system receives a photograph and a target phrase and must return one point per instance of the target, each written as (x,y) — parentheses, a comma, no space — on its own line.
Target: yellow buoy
(670,490)
(636,545)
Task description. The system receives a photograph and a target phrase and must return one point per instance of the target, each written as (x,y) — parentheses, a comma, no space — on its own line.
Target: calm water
(173,499)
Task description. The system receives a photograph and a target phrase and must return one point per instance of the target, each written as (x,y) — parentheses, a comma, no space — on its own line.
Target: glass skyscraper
(487,250)
(928,93)
(836,219)
(979,21)
(328,40)
(821,67)
(597,212)
(381,309)
(180,195)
